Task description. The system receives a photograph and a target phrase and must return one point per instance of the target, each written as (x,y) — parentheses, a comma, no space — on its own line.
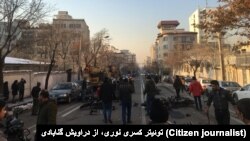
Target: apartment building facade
(169,39)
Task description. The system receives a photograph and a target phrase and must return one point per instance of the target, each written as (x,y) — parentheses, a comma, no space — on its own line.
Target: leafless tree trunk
(15,15)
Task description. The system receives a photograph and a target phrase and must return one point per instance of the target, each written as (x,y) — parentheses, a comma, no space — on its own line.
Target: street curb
(12,105)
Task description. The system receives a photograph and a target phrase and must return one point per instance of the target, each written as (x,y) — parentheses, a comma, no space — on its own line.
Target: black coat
(125,91)
(35,91)
(14,88)
(6,89)
(106,92)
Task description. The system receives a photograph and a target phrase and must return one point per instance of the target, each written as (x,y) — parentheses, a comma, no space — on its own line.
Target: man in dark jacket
(35,94)
(47,110)
(106,95)
(220,98)
(177,85)
(125,91)
(21,89)
(150,90)
(6,91)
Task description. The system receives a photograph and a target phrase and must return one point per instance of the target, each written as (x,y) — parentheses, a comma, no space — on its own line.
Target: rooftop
(171,22)
(12,60)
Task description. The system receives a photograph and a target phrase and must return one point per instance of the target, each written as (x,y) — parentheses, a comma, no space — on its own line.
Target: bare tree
(14,15)
(231,15)
(66,40)
(197,56)
(55,45)
(174,58)
(91,53)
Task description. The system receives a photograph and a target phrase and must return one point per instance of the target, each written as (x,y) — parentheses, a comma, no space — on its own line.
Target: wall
(33,77)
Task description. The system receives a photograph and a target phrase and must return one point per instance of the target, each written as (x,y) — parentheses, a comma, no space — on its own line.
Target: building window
(165,54)
(165,46)
(175,39)
(183,39)
(63,25)
(191,38)
(175,46)
(78,25)
(165,38)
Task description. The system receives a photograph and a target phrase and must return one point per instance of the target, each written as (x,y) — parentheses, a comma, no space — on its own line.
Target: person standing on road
(21,89)
(196,89)
(3,112)
(243,111)
(220,98)
(35,94)
(106,95)
(47,110)
(125,91)
(178,86)
(14,88)
(150,90)
(6,91)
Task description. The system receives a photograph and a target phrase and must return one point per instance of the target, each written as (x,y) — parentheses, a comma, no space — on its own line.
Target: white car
(244,92)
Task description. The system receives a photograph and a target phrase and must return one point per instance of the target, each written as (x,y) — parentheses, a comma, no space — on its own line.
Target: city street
(71,114)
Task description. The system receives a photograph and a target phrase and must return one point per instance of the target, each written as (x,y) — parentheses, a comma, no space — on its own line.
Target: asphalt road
(71,114)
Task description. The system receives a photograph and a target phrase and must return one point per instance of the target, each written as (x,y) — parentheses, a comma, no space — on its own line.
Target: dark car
(65,91)
(85,92)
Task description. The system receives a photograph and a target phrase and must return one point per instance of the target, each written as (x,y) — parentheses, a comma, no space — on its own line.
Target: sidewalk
(25,101)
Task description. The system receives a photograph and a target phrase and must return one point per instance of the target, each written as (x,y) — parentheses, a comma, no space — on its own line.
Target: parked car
(65,91)
(205,82)
(188,80)
(228,85)
(244,92)
(85,93)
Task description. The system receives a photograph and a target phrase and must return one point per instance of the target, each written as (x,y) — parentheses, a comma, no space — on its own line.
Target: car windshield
(62,86)
(206,81)
(234,84)
(224,84)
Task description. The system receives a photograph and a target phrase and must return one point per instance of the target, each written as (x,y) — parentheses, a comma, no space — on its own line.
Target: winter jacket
(150,88)
(47,113)
(195,88)
(35,91)
(177,83)
(125,91)
(106,92)
(220,99)
(14,88)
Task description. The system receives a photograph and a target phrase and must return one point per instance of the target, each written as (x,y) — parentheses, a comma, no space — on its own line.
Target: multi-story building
(65,22)
(129,58)
(195,19)
(14,34)
(171,38)
(153,52)
(77,27)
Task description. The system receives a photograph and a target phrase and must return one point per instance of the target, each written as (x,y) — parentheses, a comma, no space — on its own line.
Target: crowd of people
(122,89)
(218,96)
(17,88)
